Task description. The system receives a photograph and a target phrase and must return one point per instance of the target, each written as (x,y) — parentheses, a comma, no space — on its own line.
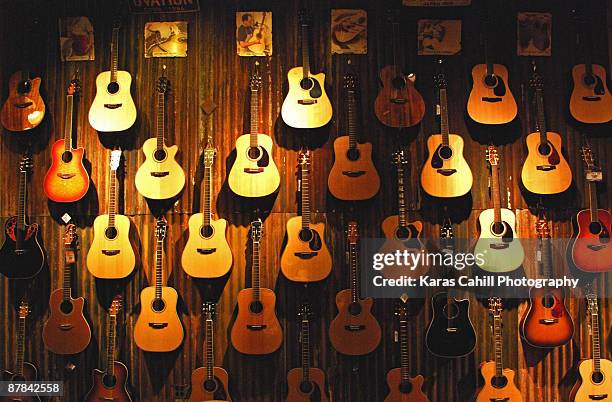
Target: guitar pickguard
(11,229)
(500,88)
(315,243)
(315,91)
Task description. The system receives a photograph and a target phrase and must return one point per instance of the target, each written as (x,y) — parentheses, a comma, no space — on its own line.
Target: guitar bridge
(452,329)
(66,327)
(500,399)
(596,247)
(256,327)
(498,246)
(399,101)
(66,176)
(253,170)
(110,252)
(160,174)
(491,100)
(446,172)
(546,168)
(158,325)
(307,101)
(598,397)
(354,328)
(306,255)
(353,173)
(591,98)
(207,251)
(113,105)
(23,105)
(549,321)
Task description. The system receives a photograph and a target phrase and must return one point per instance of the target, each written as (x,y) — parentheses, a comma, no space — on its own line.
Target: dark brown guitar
(355,330)
(67,332)
(24,109)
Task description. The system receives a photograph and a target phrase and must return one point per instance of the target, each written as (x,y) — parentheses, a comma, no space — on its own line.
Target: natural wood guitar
(160,177)
(306,104)
(306,257)
(354,331)
(67,332)
(256,330)
(545,170)
(112,254)
(67,180)
(254,173)
(498,381)
(353,175)
(497,244)
(209,383)
(113,108)
(546,323)
(445,173)
(24,109)
(158,327)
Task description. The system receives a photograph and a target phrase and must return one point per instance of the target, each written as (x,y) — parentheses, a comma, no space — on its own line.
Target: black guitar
(21,255)
(450,332)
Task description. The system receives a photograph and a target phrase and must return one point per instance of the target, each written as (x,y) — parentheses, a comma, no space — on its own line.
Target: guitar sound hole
(305,235)
(306,84)
(544,149)
(306,387)
(210,385)
(207,231)
(589,80)
(159,305)
(254,153)
(109,380)
(499,382)
(405,387)
(159,155)
(595,228)
(491,80)
(352,154)
(66,307)
(451,310)
(498,228)
(66,156)
(548,300)
(110,233)
(256,307)
(403,233)
(24,87)
(445,152)
(354,308)
(597,377)
(113,87)
(398,82)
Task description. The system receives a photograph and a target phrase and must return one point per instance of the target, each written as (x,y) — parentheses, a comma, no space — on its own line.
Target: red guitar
(67,180)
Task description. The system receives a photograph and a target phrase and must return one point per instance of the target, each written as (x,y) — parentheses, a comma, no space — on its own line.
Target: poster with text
(76,39)
(442,37)
(534,34)
(165,39)
(254,33)
(349,31)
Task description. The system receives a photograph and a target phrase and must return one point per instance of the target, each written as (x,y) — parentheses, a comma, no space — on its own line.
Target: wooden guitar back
(398,106)
(353,180)
(25,111)
(484,105)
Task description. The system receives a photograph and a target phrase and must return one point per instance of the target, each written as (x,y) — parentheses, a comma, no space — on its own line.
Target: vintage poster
(442,37)
(76,39)
(436,3)
(534,34)
(165,39)
(254,33)
(349,31)
(163,6)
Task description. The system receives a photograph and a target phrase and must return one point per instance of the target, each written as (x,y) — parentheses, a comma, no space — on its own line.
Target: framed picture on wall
(442,37)
(349,31)
(165,39)
(254,33)
(533,34)
(76,39)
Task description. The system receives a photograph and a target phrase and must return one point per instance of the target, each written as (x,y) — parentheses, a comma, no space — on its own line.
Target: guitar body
(355,330)
(446,173)
(305,259)
(588,390)
(256,332)
(489,392)
(450,332)
(590,101)
(400,391)
(66,180)
(26,262)
(353,175)
(500,254)
(66,332)
(491,102)
(300,391)
(592,252)
(547,323)
(160,177)
(306,108)
(398,103)
(111,258)
(112,112)
(115,391)
(24,109)
(254,173)
(161,330)
(29,374)
(549,173)
(206,256)
(204,390)
(390,228)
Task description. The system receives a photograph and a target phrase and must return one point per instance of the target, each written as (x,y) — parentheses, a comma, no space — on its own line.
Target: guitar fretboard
(68,123)
(305,343)
(110,346)
(353,256)
(23,195)
(256,272)
(595,340)
(209,348)
(540,115)
(495,193)
(208,183)
(114,54)
(497,338)
(403,337)
(112,198)
(20,346)
(592,190)
(401,196)
(159,247)
(69,262)
(305,51)
(254,117)
(352,118)
(444,116)
(160,128)
(305,192)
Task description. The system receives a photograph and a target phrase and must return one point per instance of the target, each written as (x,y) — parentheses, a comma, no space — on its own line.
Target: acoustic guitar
(595,382)
(160,177)
(254,173)
(113,108)
(256,330)
(402,387)
(498,381)
(66,331)
(306,383)
(22,255)
(354,331)
(546,323)
(207,253)
(445,174)
(111,254)
(209,383)
(110,384)
(159,328)
(353,175)
(400,232)
(398,103)
(590,247)
(306,257)
(590,101)
(67,180)
(545,170)
(491,101)
(306,104)
(501,251)
(25,108)
(23,371)
(450,332)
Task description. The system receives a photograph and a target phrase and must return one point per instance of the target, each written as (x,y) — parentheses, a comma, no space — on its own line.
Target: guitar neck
(209,348)
(305,194)
(305,51)
(114,54)
(596,342)
(254,117)
(112,198)
(541,116)
(68,122)
(305,343)
(496,194)
(20,346)
(403,337)
(159,247)
(160,128)
(546,257)
(401,197)
(497,338)
(256,271)
(592,191)
(208,183)
(69,262)
(23,195)
(353,262)
(444,116)
(110,347)
(352,118)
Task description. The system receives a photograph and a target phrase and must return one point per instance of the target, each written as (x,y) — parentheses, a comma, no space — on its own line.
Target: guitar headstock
(71,238)
(304,16)
(304,158)
(255,80)
(256,230)
(25,166)
(588,157)
(446,230)
(536,81)
(209,310)
(350,82)
(440,77)
(402,312)
(116,23)
(74,87)
(542,228)
(163,84)
(399,158)
(352,233)
(492,155)
(115,306)
(24,309)
(305,311)
(115,159)
(209,156)
(495,306)
(161,228)
(592,305)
